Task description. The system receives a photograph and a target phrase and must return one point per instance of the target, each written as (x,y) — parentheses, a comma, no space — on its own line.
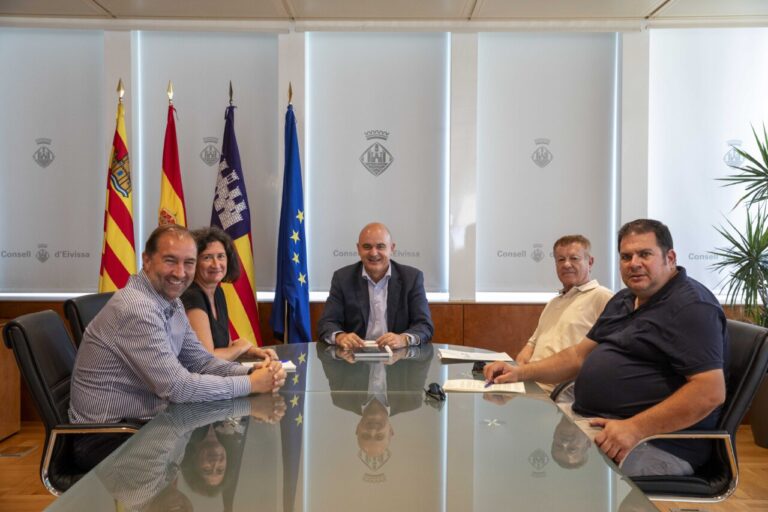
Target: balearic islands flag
(118,251)
(290,311)
(231,213)
(172,209)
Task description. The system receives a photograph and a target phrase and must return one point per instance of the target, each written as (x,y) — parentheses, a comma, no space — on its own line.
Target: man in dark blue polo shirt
(652,363)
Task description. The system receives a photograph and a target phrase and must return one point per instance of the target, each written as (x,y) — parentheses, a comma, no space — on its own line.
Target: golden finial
(120,90)
(170,91)
(290,93)
(230,93)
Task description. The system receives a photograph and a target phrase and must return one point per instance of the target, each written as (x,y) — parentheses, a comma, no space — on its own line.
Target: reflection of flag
(290,311)
(231,213)
(118,252)
(292,426)
(172,209)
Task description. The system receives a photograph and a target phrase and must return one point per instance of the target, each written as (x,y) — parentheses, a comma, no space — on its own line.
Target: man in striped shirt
(140,352)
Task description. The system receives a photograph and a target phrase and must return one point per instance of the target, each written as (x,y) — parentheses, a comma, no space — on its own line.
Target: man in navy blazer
(376,299)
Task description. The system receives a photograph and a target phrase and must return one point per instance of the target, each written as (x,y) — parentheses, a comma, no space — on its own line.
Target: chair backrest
(45,355)
(747,364)
(81,310)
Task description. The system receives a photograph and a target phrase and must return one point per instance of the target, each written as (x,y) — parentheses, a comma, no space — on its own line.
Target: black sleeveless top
(194,298)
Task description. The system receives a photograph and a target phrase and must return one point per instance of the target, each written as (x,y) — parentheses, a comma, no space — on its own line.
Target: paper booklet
(478,386)
(288,366)
(371,351)
(468,355)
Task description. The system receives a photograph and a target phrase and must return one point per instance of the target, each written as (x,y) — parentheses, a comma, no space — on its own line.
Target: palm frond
(754,178)
(744,263)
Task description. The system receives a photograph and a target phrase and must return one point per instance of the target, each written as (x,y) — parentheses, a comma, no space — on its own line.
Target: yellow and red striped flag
(172,209)
(118,251)
(231,213)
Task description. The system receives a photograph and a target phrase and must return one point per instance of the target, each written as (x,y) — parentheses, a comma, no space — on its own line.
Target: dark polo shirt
(645,355)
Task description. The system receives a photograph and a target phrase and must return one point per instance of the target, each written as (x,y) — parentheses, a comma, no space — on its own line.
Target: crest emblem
(43,156)
(42,254)
(376,158)
(120,175)
(538,460)
(166,217)
(210,153)
(538,253)
(732,158)
(542,156)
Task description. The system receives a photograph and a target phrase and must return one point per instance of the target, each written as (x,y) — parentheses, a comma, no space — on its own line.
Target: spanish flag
(118,251)
(231,213)
(172,209)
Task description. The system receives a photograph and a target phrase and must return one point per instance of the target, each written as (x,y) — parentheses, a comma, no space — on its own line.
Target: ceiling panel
(382,10)
(196,9)
(559,9)
(388,10)
(713,8)
(75,8)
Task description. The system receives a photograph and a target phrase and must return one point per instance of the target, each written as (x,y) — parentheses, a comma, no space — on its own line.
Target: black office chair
(563,387)
(81,310)
(746,367)
(45,355)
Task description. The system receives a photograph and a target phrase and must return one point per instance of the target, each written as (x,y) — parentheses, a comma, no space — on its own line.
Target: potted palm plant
(744,260)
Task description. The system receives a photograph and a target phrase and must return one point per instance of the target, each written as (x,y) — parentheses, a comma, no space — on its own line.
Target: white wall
(637,122)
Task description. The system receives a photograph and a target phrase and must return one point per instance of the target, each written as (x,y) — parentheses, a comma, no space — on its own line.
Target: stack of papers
(467,355)
(288,366)
(371,351)
(478,386)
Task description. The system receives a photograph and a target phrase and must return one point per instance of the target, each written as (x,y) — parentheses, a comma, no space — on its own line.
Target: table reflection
(347,435)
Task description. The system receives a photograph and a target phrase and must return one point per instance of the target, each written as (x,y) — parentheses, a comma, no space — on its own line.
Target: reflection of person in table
(376,391)
(570,446)
(143,475)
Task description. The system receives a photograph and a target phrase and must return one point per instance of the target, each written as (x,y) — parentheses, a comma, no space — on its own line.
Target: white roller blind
(546,107)
(706,87)
(201,66)
(52,159)
(377,148)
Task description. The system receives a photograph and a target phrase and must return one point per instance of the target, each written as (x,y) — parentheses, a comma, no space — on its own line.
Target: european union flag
(290,311)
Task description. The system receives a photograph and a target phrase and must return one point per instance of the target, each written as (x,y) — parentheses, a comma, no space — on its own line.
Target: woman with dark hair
(211,463)
(204,300)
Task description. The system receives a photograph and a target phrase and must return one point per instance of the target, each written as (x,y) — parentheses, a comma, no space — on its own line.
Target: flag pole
(285,322)
(120,90)
(286,339)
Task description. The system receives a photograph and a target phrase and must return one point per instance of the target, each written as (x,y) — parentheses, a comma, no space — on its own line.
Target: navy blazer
(348,305)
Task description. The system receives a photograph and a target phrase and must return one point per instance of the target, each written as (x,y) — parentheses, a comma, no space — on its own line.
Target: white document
(288,366)
(371,351)
(467,355)
(478,386)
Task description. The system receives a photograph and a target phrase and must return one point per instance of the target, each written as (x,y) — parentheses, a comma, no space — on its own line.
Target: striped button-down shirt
(140,353)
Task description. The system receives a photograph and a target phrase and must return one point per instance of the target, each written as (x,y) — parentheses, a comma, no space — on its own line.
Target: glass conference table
(360,436)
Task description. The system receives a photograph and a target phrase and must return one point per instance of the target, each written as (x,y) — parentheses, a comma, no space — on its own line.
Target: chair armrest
(77,429)
(94,428)
(695,435)
(690,434)
(559,389)
(699,435)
